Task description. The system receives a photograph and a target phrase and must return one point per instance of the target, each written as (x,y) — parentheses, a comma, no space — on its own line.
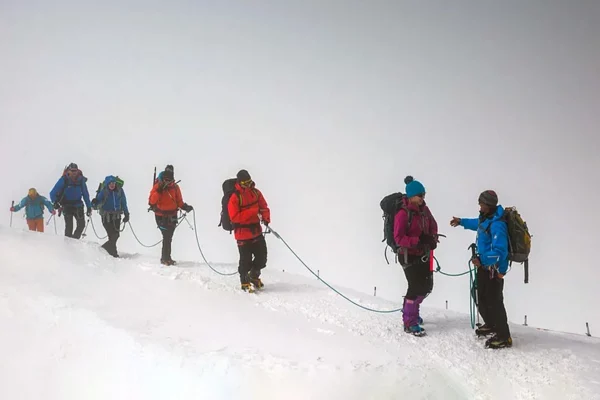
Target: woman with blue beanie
(415,232)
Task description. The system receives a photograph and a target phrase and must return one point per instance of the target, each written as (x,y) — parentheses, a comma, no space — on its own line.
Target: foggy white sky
(329,105)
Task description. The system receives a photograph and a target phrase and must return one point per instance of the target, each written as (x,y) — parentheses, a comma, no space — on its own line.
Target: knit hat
(243,175)
(169,167)
(413,188)
(488,197)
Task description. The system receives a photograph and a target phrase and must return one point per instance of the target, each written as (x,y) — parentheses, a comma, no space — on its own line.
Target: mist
(328,105)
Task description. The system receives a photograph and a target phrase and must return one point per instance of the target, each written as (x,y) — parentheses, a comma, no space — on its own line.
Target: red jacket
(166,202)
(245,206)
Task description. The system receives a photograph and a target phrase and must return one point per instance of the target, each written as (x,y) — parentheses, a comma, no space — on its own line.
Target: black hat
(243,175)
(169,167)
(72,166)
(488,197)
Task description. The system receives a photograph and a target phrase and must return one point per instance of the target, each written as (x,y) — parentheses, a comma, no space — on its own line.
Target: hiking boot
(484,330)
(167,262)
(246,287)
(498,343)
(415,330)
(256,282)
(254,278)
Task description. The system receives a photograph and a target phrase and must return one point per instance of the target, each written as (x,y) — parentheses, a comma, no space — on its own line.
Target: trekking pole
(55,231)
(186,220)
(86,227)
(473,248)
(12,204)
(49,219)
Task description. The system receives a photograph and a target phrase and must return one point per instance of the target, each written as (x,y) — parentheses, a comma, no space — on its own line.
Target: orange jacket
(244,208)
(166,202)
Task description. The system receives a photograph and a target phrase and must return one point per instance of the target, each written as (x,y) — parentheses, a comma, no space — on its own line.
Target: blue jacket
(69,193)
(34,208)
(112,200)
(492,240)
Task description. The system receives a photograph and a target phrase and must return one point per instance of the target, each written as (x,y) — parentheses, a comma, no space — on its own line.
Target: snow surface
(78,324)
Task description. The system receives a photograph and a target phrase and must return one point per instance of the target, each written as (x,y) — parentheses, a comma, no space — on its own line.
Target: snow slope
(77,324)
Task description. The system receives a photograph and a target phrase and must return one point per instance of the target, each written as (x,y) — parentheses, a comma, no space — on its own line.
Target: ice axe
(473,248)
(12,204)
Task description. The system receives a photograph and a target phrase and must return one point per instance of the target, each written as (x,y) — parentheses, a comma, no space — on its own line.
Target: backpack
(390,205)
(519,239)
(228,190)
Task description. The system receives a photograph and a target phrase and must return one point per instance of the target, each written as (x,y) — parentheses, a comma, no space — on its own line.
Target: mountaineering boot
(484,330)
(167,262)
(415,330)
(255,280)
(498,343)
(246,287)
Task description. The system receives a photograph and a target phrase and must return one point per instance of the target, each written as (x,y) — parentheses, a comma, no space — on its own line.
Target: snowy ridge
(76,323)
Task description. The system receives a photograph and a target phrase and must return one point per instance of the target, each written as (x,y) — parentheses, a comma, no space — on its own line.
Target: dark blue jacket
(69,192)
(112,200)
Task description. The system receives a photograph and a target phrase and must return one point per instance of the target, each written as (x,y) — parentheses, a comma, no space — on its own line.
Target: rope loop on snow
(278,236)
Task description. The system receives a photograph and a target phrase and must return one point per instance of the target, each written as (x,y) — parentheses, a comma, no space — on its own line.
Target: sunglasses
(246,182)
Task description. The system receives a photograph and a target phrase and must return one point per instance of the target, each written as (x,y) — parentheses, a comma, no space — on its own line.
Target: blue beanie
(413,187)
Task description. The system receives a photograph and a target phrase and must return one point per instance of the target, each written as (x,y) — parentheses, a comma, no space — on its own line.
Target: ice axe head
(472,247)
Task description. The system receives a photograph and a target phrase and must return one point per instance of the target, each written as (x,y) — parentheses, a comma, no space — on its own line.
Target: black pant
(69,213)
(419,277)
(256,248)
(491,302)
(167,225)
(112,224)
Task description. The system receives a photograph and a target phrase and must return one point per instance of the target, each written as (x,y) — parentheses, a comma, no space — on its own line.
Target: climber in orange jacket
(247,207)
(165,200)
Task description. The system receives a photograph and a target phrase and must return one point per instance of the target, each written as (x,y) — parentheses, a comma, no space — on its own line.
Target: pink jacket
(422,222)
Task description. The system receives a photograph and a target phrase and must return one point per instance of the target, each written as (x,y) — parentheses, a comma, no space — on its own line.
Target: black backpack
(228,190)
(390,205)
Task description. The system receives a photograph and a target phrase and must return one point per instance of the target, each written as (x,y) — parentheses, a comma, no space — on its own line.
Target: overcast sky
(329,105)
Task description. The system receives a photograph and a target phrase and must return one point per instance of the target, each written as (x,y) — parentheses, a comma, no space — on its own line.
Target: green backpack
(519,239)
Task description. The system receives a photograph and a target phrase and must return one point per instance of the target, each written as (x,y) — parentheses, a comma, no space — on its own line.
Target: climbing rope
(202,253)
(278,236)
(138,240)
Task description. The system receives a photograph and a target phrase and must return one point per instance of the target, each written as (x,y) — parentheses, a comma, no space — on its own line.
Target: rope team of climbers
(410,230)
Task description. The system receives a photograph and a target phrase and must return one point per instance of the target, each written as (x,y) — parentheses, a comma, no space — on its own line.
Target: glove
(428,240)
(266,223)
(476,261)
(53,212)
(186,207)
(12,209)
(160,188)
(56,205)
(94,202)
(89,212)
(126,219)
